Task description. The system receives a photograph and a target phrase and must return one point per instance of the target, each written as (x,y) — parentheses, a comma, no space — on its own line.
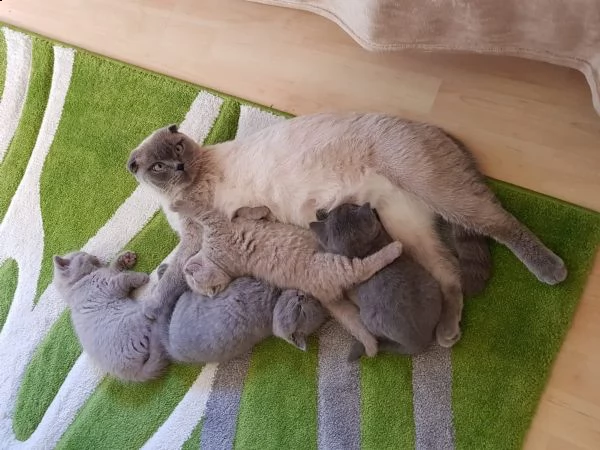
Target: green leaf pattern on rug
(15,161)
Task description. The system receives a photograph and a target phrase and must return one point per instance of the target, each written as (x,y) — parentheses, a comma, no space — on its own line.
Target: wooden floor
(529,123)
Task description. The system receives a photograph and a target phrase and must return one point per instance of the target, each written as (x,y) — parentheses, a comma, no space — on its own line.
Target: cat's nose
(180,166)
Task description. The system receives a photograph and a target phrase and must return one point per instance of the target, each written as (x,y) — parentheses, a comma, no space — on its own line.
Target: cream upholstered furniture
(563,32)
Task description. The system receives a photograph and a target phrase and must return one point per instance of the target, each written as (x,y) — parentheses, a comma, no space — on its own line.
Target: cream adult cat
(408,171)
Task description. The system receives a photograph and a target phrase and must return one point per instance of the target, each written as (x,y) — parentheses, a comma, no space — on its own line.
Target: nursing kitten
(410,172)
(111,326)
(200,329)
(285,256)
(401,304)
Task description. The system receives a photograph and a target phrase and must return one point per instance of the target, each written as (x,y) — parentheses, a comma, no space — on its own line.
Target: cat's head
(164,160)
(348,229)
(296,316)
(204,276)
(73,267)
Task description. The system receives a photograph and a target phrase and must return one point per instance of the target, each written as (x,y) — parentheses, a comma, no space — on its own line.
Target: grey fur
(204,329)
(111,326)
(402,303)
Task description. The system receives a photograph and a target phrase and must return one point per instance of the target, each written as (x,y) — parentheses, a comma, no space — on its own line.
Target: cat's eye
(179,147)
(158,167)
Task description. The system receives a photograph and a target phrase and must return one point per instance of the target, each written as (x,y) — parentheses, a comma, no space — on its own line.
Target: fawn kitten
(286,256)
(410,172)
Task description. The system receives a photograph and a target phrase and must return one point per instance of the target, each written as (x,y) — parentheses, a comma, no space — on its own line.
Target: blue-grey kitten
(219,328)
(111,326)
(401,304)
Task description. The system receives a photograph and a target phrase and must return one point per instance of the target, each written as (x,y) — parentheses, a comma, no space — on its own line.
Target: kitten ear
(61,263)
(298,340)
(132,164)
(366,209)
(318,228)
(173,128)
(376,214)
(322,214)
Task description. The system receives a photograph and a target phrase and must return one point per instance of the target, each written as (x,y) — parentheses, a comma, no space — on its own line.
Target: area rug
(69,120)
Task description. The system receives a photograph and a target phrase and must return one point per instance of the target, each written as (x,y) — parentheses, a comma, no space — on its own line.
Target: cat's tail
(474,258)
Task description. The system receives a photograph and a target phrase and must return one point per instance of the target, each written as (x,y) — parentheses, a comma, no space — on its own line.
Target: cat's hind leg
(348,315)
(127,281)
(423,243)
(449,182)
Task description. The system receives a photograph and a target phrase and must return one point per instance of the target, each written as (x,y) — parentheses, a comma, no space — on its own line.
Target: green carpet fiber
(511,333)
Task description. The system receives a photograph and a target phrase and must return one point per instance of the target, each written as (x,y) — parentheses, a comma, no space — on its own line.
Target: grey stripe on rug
(338,391)
(220,418)
(432,399)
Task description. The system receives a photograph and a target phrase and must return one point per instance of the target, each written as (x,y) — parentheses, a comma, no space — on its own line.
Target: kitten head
(348,229)
(204,276)
(164,159)
(73,267)
(296,316)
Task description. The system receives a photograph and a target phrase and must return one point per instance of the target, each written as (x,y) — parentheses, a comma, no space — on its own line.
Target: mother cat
(410,172)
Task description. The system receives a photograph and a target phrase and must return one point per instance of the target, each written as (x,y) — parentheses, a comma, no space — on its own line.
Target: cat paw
(371,347)
(393,250)
(126,260)
(551,270)
(447,336)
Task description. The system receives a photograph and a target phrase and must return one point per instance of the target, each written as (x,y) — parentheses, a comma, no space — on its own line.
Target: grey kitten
(401,304)
(111,326)
(202,329)
(283,255)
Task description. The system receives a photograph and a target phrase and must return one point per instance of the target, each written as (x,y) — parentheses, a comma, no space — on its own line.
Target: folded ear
(322,214)
(298,340)
(173,128)
(61,263)
(318,228)
(132,164)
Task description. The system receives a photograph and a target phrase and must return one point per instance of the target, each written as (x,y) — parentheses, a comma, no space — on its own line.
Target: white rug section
(253,119)
(16,83)
(22,238)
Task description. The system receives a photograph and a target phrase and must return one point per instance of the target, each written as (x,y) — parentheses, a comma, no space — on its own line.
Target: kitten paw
(551,270)
(371,347)
(447,336)
(393,251)
(126,260)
